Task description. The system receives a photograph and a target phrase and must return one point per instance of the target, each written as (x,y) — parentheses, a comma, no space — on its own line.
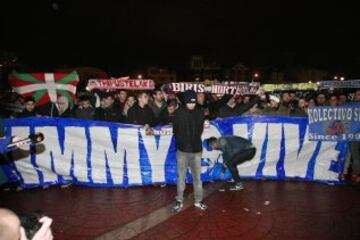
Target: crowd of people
(158,107)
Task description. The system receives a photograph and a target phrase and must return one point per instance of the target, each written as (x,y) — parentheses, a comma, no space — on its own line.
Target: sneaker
(178,206)
(237,187)
(201,206)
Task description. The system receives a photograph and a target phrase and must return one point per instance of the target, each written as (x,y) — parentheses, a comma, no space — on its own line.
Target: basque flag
(45,87)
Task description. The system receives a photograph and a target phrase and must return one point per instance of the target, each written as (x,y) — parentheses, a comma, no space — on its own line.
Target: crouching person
(236,150)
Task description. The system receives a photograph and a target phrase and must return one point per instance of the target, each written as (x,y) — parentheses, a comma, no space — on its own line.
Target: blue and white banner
(340,123)
(109,154)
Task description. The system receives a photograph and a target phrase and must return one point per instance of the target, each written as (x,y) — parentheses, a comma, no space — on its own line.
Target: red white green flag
(45,87)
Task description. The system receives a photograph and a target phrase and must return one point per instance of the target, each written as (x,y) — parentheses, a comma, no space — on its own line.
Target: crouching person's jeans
(239,158)
(193,161)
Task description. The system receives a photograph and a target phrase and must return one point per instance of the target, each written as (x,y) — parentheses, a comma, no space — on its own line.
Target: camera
(30,222)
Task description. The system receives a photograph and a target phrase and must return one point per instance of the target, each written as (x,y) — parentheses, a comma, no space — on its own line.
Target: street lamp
(255,76)
(342,78)
(139,76)
(336,77)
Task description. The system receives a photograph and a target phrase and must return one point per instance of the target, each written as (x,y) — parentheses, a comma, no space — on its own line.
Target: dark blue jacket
(231,145)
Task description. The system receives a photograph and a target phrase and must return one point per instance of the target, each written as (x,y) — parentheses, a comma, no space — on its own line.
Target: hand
(148,130)
(206,124)
(21,145)
(44,233)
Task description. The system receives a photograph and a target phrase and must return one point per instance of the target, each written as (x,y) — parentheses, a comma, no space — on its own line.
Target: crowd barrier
(109,154)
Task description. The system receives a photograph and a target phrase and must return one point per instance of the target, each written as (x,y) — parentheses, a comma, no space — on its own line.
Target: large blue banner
(341,123)
(109,154)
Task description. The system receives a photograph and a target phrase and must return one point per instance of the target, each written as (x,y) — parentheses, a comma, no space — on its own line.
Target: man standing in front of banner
(188,127)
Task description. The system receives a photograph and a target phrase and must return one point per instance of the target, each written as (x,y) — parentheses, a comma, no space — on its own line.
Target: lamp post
(255,77)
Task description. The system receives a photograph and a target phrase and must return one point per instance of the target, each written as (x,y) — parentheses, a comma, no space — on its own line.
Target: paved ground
(264,210)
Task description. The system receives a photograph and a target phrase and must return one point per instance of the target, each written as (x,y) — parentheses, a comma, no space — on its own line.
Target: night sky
(122,35)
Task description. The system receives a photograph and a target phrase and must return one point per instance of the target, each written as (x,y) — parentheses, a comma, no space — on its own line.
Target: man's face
(29,106)
(321,99)
(293,96)
(357,96)
(190,106)
(61,106)
(333,101)
(143,99)
(130,101)
(246,99)
(158,96)
(311,103)
(274,104)
(122,96)
(342,99)
(85,104)
(286,98)
(214,146)
(200,98)
(171,109)
(302,103)
(108,101)
(231,101)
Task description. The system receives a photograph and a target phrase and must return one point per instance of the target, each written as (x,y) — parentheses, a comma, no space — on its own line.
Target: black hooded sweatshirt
(187,128)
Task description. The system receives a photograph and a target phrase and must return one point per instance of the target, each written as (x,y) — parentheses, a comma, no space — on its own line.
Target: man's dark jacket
(188,127)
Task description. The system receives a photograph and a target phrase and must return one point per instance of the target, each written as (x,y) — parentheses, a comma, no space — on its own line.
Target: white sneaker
(178,206)
(201,206)
(237,187)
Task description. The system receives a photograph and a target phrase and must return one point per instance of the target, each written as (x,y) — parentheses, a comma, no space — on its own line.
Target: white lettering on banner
(241,130)
(52,146)
(188,86)
(325,115)
(157,155)
(273,149)
(258,137)
(75,147)
(295,165)
(128,142)
(24,164)
(327,153)
(103,149)
(310,118)
(75,142)
(336,113)
(213,155)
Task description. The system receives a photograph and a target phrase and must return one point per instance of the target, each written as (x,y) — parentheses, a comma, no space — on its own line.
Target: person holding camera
(11,229)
